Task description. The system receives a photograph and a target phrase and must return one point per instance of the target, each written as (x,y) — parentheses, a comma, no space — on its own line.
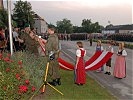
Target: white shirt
(15,36)
(78,52)
(124,53)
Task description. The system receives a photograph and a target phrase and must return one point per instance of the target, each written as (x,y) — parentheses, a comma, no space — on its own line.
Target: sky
(117,12)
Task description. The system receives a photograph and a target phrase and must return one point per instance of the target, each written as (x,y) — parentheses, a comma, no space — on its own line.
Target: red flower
(4,88)
(22,89)
(7,69)
(33,88)
(9,55)
(18,76)
(20,62)
(8,60)
(27,82)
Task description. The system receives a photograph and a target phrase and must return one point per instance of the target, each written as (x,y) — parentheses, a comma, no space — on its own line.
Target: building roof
(120,27)
(38,17)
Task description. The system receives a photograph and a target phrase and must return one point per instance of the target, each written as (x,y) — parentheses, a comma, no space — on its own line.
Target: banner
(95,62)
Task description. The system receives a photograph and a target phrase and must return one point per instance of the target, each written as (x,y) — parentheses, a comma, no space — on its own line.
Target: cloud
(115,11)
(76,11)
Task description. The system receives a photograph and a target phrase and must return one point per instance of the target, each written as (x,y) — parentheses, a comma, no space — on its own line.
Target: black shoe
(53,83)
(58,81)
(109,73)
(106,73)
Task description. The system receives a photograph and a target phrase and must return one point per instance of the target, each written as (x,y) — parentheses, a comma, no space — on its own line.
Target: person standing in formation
(80,75)
(108,64)
(120,62)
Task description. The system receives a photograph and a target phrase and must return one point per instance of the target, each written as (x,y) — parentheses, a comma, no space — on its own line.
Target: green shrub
(20,75)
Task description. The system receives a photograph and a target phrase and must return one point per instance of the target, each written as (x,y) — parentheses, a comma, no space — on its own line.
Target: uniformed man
(25,36)
(33,44)
(52,50)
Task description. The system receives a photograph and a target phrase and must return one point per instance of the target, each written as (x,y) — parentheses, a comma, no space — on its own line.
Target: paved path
(121,88)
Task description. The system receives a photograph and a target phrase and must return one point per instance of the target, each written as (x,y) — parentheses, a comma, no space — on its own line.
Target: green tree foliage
(3,18)
(77,29)
(64,26)
(89,27)
(22,13)
(86,25)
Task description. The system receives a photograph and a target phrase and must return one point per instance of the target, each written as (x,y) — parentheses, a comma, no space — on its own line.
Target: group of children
(119,66)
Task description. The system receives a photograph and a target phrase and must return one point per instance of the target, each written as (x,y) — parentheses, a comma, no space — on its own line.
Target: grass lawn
(34,70)
(90,91)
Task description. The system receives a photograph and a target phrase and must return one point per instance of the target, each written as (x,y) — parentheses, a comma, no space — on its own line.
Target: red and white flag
(95,62)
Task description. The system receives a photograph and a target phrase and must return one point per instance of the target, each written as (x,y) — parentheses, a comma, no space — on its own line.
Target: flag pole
(10,25)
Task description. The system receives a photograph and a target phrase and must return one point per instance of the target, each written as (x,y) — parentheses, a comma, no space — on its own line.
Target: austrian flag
(95,62)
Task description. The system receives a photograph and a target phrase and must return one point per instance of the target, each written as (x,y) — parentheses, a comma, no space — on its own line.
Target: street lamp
(10,25)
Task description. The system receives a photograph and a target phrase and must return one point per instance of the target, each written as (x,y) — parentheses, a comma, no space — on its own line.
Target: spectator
(16,39)
(3,40)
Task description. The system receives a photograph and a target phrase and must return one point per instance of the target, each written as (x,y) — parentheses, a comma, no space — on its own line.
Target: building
(1,4)
(40,25)
(118,29)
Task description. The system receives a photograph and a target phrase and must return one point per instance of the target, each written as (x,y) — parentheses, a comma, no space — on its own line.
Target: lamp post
(10,25)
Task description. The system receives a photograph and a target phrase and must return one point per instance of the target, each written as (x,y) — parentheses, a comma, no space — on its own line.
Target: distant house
(40,25)
(118,29)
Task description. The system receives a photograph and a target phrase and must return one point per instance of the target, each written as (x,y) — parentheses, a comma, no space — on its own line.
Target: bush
(19,75)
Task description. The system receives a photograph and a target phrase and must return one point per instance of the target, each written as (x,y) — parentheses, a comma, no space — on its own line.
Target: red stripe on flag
(93,58)
(65,64)
(102,62)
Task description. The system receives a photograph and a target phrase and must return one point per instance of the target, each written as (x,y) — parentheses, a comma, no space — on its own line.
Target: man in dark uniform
(52,50)
(33,44)
(26,37)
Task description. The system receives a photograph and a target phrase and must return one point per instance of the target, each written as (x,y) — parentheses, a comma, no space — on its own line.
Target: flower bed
(17,79)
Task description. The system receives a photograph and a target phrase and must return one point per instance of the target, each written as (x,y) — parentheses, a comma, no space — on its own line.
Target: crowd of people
(23,40)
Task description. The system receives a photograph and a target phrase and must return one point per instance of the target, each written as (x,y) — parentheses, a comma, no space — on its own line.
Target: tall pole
(10,25)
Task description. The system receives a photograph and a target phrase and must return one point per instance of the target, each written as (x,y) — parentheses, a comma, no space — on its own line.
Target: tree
(22,13)
(86,25)
(89,27)
(3,18)
(64,26)
(77,29)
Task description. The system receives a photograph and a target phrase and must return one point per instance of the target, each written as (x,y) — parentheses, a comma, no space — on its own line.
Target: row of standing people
(25,40)
(119,67)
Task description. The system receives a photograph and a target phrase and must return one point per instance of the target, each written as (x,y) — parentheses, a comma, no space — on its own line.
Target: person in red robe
(80,75)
